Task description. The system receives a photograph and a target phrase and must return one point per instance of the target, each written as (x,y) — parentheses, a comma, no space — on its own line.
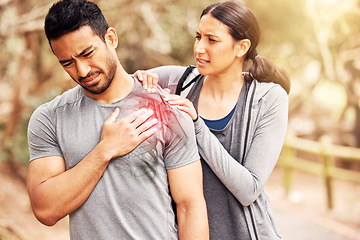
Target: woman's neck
(222,86)
(219,95)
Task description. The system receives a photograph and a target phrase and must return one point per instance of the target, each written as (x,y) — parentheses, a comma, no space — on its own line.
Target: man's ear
(242,47)
(111,37)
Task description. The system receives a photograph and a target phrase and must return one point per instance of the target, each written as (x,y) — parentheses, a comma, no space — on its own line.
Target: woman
(242,119)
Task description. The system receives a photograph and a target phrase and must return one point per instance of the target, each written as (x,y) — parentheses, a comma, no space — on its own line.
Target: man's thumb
(113,116)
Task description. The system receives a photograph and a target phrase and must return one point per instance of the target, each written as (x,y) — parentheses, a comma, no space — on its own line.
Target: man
(107,152)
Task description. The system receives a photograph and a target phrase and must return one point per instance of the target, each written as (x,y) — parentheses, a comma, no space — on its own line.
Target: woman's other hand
(183,104)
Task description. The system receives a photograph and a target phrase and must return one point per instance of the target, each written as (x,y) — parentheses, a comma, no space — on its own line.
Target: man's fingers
(132,117)
(142,118)
(146,134)
(146,125)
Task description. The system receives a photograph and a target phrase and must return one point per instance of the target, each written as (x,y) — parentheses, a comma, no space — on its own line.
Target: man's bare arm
(187,191)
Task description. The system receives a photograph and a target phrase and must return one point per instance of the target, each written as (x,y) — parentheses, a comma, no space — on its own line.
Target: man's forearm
(193,221)
(61,194)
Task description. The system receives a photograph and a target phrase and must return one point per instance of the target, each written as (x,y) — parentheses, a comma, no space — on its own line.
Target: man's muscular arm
(55,192)
(187,191)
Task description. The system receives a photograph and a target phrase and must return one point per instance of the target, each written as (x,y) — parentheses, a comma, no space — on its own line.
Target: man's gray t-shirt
(132,198)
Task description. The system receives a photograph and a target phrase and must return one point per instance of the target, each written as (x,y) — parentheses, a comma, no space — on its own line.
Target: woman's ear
(111,37)
(242,47)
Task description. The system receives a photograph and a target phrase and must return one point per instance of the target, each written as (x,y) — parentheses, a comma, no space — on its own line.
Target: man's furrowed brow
(63,62)
(83,52)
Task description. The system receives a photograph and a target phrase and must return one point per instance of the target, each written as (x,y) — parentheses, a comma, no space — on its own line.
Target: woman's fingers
(149,79)
(182,104)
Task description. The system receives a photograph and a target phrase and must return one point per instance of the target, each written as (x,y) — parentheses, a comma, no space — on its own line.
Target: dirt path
(17,221)
(306,201)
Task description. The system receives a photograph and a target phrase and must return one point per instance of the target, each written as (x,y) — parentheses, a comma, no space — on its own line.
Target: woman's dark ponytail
(243,25)
(264,70)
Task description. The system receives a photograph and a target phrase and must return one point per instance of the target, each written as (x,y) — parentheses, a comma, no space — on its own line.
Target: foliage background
(317,41)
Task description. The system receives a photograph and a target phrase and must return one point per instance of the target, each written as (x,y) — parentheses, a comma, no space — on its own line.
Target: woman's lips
(201,62)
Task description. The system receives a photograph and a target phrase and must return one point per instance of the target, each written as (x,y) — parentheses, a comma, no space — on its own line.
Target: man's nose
(83,68)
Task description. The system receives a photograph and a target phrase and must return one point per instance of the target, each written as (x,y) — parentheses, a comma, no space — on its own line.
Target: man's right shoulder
(68,97)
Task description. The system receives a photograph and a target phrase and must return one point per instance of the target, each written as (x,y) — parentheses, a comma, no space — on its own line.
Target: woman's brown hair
(242,24)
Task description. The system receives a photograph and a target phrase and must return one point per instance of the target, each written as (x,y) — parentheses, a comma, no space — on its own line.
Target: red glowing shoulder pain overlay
(160,110)
(170,120)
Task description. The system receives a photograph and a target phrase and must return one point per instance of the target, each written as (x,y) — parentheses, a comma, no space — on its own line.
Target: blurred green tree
(317,41)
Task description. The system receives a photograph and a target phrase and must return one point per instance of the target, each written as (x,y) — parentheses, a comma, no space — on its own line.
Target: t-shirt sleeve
(42,135)
(180,148)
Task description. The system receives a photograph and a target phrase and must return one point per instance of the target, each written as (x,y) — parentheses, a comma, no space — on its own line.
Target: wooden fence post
(328,162)
(326,152)
(286,163)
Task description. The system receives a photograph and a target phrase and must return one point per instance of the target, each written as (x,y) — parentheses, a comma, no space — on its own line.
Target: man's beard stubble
(101,87)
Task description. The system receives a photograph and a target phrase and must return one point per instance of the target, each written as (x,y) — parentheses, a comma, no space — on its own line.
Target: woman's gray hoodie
(238,160)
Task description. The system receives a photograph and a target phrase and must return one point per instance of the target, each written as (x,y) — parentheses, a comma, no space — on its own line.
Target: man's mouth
(91,79)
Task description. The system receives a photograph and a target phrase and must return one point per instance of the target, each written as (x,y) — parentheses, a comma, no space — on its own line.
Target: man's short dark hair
(66,16)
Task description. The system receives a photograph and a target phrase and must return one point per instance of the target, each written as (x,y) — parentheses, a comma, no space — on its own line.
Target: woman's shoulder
(269,87)
(269,90)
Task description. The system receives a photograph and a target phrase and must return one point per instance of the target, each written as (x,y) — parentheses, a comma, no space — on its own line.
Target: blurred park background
(316,41)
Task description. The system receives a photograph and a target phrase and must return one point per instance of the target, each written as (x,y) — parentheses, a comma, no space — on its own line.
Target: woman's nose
(199,47)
